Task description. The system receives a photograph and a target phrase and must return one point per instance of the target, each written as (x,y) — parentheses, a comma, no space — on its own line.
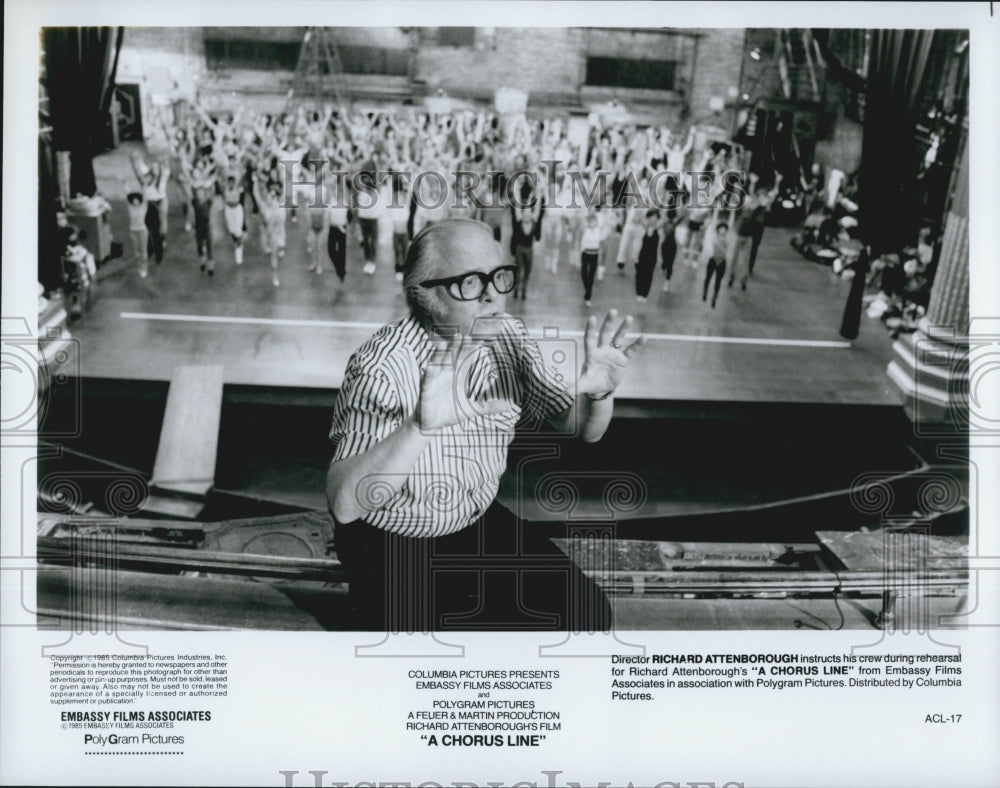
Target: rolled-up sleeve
(366,413)
(545,391)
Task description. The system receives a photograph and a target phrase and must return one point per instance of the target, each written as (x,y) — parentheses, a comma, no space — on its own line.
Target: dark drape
(887,194)
(80,65)
(48,230)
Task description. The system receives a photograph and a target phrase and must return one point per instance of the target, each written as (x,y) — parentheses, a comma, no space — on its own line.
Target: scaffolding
(319,75)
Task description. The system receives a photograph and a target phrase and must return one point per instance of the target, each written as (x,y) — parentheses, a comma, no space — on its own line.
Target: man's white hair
(431,246)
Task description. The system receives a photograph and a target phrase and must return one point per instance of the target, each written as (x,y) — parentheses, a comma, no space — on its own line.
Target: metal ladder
(319,72)
(799,62)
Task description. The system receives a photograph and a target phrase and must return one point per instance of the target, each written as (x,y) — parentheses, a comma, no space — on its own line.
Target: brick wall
(549,63)
(539,60)
(149,55)
(637,44)
(163,62)
(392,37)
(717,69)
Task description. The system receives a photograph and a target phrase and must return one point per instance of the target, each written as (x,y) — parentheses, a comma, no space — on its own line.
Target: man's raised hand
(607,353)
(445,399)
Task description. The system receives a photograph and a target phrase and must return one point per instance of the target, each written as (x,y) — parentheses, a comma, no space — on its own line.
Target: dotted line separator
(118,752)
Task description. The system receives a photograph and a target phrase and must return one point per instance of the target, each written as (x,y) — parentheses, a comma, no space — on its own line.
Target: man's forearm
(387,463)
(587,418)
(595,416)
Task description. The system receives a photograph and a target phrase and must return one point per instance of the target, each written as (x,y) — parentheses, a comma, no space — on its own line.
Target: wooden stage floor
(776,342)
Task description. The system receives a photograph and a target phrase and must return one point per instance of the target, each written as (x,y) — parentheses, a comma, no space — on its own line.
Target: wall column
(930,366)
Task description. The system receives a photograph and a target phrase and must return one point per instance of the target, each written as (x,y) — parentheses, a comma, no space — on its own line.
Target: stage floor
(776,342)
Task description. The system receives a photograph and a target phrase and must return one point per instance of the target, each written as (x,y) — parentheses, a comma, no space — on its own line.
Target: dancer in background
(611,225)
(367,209)
(675,155)
(696,216)
(152,181)
(590,244)
(234,215)
(338,216)
(699,210)
(522,244)
(399,213)
(203,193)
(430,199)
(560,220)
(668,197)
(716,262)
(491,213)
(648,249)
(182,155)
(184,185)
(668,247)
(751,225)
(137,230)
(632,229)
(316,203)
(526,228)
(272,214)
(161,176)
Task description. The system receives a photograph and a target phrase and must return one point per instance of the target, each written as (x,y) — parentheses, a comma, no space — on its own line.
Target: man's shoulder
(394,342)
(514,342)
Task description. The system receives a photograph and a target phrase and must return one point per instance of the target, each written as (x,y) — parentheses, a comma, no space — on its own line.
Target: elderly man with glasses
(421,427)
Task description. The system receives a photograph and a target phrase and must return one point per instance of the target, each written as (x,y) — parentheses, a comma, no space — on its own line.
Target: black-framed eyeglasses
(470,286)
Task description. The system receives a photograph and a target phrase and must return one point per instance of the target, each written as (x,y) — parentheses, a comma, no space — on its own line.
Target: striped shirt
(456,478)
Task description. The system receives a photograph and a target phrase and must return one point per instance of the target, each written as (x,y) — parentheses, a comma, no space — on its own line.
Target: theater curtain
(887,194)
(48,194)
(80,66)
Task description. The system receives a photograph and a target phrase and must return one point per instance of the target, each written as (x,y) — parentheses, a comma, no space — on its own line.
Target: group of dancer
(634,197)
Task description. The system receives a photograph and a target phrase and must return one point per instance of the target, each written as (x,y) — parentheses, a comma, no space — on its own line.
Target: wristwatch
(599,397)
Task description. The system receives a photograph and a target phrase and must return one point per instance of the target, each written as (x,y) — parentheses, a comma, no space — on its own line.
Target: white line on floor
(249,321)
(275,321)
